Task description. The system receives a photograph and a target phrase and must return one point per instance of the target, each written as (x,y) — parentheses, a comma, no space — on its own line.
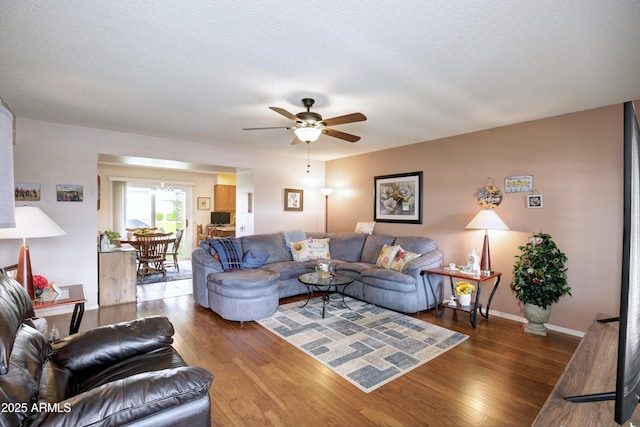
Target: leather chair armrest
(106,345)
(129,399)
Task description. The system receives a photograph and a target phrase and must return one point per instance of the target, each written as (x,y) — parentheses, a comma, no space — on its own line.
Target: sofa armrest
(431,259)
(106,345)
(129,399)
(201,259)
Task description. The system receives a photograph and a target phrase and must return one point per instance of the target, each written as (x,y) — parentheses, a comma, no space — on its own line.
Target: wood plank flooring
(500,376)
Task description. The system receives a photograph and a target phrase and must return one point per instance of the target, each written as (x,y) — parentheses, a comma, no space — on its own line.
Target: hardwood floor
(500,376)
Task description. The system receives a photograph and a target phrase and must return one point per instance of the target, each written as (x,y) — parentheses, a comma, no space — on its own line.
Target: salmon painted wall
(576,162)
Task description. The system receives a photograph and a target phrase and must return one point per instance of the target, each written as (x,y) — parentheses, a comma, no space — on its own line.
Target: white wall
(50,154)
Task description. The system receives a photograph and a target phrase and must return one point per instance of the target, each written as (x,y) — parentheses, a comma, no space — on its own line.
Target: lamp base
(485,260)
(24,275)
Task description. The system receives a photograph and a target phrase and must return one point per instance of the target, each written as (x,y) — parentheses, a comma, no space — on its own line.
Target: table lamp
(486,220)
(31,222)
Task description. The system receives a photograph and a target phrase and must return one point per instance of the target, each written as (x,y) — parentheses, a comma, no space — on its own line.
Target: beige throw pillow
(310,249)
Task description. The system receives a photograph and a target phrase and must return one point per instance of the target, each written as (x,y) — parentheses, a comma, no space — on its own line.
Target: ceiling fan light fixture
(307,134)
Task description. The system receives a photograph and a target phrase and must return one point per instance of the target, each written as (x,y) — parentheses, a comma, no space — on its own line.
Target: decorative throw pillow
(254,259)
(402,258)
(365,227)
(230,253)
(310,249)
(386,256)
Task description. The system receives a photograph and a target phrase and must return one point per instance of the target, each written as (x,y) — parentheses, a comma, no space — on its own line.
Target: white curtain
(119,206)
(7,191)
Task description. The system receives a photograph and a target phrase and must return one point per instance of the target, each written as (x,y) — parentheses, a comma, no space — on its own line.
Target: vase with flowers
(539,280)
(464,291)
(323,268)
(40,283)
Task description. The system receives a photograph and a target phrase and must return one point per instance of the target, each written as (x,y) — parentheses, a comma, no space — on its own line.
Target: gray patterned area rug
(368,346)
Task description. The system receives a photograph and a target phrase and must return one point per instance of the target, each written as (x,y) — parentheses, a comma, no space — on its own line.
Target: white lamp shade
(486,220)
(326,191)
(307,134)
(31,222)
(7,219)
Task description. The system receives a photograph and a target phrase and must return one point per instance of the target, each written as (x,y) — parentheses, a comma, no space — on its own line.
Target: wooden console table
(592,369)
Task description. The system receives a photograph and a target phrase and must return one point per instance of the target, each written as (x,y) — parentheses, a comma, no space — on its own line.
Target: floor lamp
(31,222)
(486,220)
(326,192)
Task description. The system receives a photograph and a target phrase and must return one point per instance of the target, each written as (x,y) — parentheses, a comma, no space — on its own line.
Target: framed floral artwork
(204,203)
(293,199)
(398,198)
(535,201)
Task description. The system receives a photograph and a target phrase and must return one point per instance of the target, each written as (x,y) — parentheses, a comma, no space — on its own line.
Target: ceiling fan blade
(269,127)
(349,118)
(342,135)
(296,141)
(285,113)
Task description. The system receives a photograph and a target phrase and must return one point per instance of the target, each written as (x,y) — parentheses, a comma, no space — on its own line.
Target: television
(220,217)
(627,392)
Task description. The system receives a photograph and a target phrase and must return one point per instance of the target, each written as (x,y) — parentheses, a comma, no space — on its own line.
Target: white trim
(550,327)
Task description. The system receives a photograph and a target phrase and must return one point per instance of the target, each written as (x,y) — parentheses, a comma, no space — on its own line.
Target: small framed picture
(27,192)
(69,193)
(535,201)
(293,199)
(204,203)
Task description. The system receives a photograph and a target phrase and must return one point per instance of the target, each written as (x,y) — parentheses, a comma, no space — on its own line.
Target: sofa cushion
(310,249)
(389,279)
(372,246)
(386,255)
(105,345)
(273,244)
(290,269)
(353,267)
(254,259)
(346,246)
(420,245)
(229,253)
(402,259)
(125,401)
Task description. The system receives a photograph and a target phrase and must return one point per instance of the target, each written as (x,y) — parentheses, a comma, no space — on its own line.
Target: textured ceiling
(419,70)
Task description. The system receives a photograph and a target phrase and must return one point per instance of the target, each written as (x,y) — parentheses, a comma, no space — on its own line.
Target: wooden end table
(474,308)
(71,294)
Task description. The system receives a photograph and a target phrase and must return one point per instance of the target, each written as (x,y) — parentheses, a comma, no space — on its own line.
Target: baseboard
(549,326)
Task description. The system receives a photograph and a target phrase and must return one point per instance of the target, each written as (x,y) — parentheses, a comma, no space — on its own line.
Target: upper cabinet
(224,198)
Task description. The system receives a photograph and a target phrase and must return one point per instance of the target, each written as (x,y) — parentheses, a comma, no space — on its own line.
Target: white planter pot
(537,317)
(464,300)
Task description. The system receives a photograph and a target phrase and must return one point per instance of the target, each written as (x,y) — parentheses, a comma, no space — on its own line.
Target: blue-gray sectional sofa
(254,293)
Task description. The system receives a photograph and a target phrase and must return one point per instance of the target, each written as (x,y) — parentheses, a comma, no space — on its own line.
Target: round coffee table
(325,286)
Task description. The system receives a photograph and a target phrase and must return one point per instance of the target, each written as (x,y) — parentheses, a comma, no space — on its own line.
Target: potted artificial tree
(539,280)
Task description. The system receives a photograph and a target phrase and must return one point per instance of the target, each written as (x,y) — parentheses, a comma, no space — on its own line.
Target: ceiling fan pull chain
(308,161)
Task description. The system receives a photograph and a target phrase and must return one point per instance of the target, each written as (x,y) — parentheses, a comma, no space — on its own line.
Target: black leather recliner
(118,375)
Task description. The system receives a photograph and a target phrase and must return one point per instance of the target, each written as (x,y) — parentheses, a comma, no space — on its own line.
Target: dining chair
(173,250)
(152,253)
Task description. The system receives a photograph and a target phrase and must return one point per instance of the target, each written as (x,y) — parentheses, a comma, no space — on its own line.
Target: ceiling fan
(309,125)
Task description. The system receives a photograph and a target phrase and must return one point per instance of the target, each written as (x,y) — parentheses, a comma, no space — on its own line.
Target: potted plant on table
(539,280)
(464,291)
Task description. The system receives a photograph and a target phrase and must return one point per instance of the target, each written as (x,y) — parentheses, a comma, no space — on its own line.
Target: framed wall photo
(293,199)
(398,198)
(69,193)
(204,203)
(535,201)
(27,192)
